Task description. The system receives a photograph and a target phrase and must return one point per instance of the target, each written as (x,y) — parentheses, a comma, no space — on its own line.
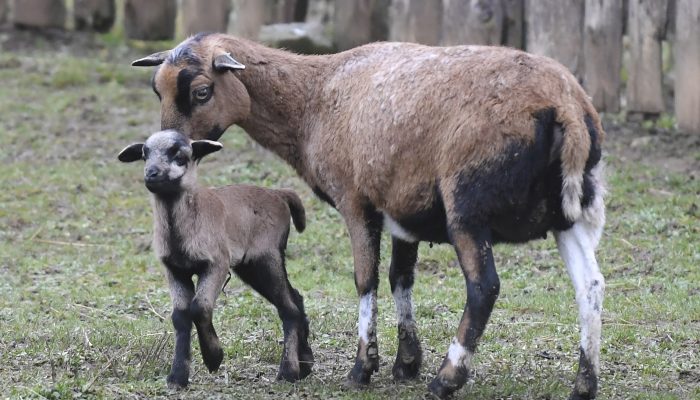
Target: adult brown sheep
(468,145)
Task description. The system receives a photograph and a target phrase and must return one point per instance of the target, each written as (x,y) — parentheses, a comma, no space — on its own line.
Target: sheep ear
(224,62)
(131,153)
(152,60)
(201,148)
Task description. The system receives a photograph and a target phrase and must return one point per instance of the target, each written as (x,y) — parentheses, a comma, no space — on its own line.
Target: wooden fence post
(555,29)
(472,22)
(4,11)
(94,15)
(246,18)
(40,13)
(352,23)
(205,15)
(150,20)
(687,64)
(514,25)
(417,21)
(602,53)
(646,24)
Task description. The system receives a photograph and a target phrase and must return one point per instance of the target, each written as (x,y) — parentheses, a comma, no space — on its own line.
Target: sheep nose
(152,173)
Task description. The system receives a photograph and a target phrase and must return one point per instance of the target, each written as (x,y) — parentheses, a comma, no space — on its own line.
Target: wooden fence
(615,47)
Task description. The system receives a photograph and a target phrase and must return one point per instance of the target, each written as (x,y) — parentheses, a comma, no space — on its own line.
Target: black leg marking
(180,370)
(409,354)
(267,275)
(586,385)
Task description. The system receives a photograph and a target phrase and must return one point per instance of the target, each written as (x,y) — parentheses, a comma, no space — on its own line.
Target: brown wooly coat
(427,134)
(366,124)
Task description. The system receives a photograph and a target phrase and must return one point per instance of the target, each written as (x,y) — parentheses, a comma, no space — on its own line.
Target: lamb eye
(202,94)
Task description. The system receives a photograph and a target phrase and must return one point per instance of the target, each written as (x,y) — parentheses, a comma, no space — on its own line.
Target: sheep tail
(580,134)
(296,208)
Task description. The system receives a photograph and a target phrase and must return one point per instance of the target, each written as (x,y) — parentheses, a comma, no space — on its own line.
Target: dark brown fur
(420,135)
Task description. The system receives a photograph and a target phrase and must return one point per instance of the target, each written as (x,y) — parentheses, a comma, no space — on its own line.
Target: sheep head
(199,92)
(171,160)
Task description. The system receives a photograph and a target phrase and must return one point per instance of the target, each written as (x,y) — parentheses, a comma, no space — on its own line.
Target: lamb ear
(224,62)
(152,60)
(201,148)
(131,153)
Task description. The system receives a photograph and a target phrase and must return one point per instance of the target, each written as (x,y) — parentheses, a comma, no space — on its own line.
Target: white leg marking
(458,355)
(404,305)
(368,319)
(397,230)
(577,246)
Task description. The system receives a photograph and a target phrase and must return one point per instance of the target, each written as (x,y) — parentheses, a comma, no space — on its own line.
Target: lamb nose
(151,172)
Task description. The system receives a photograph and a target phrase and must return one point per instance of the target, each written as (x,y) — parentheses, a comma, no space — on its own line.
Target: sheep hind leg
(209,286)
(476,259)
(267,275)
(577,246)
(401,276)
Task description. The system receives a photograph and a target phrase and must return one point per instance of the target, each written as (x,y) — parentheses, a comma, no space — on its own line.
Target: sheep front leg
(202,309)
(181,294)
(401,274)
(365,225)
(473,248)
(577,246)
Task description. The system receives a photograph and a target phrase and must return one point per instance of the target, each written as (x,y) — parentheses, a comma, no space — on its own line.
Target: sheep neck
(281,86)
(173,214)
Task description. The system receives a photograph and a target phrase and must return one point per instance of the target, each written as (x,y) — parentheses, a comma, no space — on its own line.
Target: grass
(84,306)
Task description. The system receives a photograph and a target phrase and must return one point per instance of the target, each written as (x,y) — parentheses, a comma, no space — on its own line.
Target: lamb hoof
(213,358)
(177,381)
(581,396)
(288,373)
(306,362)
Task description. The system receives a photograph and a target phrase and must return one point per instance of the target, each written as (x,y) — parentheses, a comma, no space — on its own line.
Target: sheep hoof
(581,396)
(306,362)
(441,388)
(361,373)
(177,381)
(213,358)
(408,358)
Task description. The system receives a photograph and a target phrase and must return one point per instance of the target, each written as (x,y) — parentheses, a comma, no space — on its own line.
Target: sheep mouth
(162,185)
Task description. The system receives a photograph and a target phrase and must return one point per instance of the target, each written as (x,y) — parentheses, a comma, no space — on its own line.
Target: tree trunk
(555,29)
(205,15)
(417,21)
(150,20)
(246,18)
(472,22)
(94,15)
(602,53)
(646,24)
(40,13)
(687,51)
(514,24)
(352,23)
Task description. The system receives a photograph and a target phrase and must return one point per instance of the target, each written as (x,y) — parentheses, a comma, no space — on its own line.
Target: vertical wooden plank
(687,54)
(352,23)
(602,53)
(417,21)
(514,23)
(246,18)
(40,13)
(150,20)
(205,15)
(94,15)
(555,29)
(646,23)
(472,22)
(4,11)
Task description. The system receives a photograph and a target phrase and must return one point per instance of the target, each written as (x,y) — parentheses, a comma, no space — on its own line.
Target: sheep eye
(202,94)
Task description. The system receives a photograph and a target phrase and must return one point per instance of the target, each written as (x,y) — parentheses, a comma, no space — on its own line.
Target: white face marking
(367,319)
(404,305)
(577,247)
(397,230)
(458,355)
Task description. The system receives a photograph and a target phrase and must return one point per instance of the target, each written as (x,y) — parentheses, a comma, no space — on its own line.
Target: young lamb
(208,232)
(468,145)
